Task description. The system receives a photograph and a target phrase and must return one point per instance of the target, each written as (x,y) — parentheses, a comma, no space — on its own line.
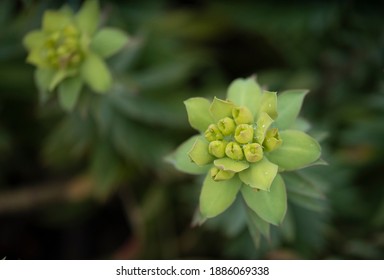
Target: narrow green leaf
(289,105)
(228,164)
(69,92)
(296,183)
(132,140)
(254,232)
(310,203)
(147,108)
(43,78)
(216,197)
(108,41)
(199,152)
(259,175)
(96,74)
(297,150)
(288,226)
(180,159)
(88,16)
(255,223)
(107,171)
(245,92)
(270,206)
(198,113)
(221,108)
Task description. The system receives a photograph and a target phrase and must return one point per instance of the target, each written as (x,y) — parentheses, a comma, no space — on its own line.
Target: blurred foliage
(131,203)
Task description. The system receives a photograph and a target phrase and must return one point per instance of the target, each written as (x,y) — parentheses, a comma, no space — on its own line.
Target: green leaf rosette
(242,145)
(69,51)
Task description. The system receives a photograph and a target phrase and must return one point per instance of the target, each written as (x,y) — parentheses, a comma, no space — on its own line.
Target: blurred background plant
(93,184)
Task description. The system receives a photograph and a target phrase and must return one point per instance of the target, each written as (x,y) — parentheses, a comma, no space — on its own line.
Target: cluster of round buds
(62,48)
(242,146)
(238,138)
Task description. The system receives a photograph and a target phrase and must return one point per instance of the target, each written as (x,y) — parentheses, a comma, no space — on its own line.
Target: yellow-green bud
(54,62)
(54,37)
(75,59)
(244,133)
(49,44)
(253,152)
(234,151)
(242,115)
(226,126)
(213,133)
(62,50)
(217,148)
(220,175)
(71,43)
(51,54)
(272,140)
(70,30)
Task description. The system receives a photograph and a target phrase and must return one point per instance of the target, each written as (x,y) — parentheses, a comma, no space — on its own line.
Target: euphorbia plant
(244,142)
(69,51)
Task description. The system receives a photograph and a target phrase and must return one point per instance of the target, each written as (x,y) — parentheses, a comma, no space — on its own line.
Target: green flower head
(242,145)
(69,51)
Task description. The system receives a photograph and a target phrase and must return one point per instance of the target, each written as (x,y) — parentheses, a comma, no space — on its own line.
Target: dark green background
(138,206)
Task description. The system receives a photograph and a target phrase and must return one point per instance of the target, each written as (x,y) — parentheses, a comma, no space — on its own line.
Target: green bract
(69,51)
(244,142)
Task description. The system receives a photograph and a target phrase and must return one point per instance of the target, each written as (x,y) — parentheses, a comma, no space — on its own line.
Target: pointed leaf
(233,221)
(262,124)
(198,113)
(198,219)
(228,164)
(34,57)
(43,78)
(304,191)
(96,74)
(55,20)
(199,152)
(270,206)
(268,104)
(216,197)
(34,39)
(310,203)
(259,174)
(108,41)
(180,159)
(66,10)
(300,124)
(297,150)
(88,16)
(296,183)
(57,78)
(289,106)
(221,108)
(245,92)
(255,233)
(257,225)
(69,92)
(320,161)
(288,226)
